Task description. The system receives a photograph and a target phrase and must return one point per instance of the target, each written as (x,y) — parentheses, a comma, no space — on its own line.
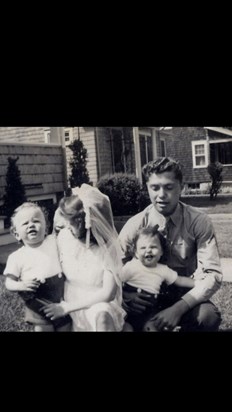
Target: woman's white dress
(84,269)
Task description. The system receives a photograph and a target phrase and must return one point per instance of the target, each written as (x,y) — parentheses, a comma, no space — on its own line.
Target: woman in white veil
(91,260)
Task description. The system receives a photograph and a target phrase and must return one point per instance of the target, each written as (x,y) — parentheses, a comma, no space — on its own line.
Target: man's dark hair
(161,165)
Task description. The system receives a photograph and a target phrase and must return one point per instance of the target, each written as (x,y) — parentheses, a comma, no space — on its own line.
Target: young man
(191,250)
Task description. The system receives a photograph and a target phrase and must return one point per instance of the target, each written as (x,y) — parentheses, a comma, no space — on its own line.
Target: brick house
(196,147)
(126,149)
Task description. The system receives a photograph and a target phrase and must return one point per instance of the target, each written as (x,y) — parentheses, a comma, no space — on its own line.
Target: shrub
(126,194)
(78,162)
(215,172)
(14,189)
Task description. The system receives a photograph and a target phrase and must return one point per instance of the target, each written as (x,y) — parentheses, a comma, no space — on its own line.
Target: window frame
(146,134)
(70,131)
(47,136)
(195,155)
(163,140)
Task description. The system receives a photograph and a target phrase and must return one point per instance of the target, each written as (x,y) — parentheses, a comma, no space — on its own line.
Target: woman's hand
(55,310)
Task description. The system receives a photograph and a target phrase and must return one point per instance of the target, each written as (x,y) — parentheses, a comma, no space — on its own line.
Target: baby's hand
(29,285)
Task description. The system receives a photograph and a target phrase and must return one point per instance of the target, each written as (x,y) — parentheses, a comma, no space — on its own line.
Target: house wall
(87,136)
(96,140)
(179,146)
(22,134)
(41,168)
(34,135)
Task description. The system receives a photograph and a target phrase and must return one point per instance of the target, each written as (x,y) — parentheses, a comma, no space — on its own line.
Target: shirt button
(60,275)
(139,290)
(42,281)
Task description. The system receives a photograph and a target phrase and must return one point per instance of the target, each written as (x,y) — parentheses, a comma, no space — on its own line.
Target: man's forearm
(181,306)
(204,289)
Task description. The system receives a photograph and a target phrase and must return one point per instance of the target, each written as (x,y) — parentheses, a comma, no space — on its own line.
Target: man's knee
(209,318)
(204,317)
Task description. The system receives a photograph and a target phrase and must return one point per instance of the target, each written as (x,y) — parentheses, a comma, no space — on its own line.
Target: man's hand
(166,320)
(169,318)
(135,302)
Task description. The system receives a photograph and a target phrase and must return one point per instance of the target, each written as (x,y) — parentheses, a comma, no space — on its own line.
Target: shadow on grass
(223,300)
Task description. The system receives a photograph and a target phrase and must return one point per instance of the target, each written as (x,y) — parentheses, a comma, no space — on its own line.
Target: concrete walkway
(220,216)
(226,264)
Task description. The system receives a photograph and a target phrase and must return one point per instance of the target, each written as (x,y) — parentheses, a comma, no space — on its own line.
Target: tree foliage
(79,172)
(14,190)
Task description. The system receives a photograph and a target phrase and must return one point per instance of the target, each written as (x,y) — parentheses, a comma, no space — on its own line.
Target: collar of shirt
(162,221)
(176,216)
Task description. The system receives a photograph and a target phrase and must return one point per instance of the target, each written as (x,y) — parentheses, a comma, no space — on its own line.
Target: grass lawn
(222,204)
(222,225)
(223,300)
(223,231)
(11,311)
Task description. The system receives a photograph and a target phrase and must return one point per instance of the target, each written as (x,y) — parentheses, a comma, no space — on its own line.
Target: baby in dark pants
(34,270)
(145,275)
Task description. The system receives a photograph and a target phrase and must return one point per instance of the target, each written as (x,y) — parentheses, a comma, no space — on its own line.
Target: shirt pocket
(182,249)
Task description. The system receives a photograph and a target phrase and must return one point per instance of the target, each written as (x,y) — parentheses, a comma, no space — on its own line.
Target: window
(145,143)
(199,153)
(117,146)
(68,135)
(163,147)
(47,135)
(193,185)
(221,152)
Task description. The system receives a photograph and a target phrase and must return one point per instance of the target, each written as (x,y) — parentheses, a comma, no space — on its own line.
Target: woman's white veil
(99,219)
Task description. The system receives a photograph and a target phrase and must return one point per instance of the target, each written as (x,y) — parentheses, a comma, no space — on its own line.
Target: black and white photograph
(115,229)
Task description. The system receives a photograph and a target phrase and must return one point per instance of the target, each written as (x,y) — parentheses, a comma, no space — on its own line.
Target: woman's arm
(105,294)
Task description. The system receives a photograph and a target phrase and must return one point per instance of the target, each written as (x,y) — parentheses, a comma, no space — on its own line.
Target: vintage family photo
(115,229)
